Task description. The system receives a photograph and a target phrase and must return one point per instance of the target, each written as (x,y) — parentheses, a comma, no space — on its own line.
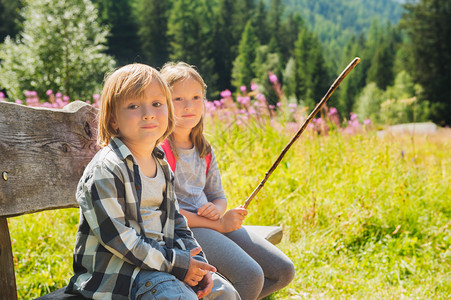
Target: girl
(132,242)
(255,267)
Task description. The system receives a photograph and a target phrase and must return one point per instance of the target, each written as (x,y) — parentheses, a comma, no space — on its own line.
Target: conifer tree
(191,39)
(61,48)
(311,73)
(260,23)
(123,41)
(153,26)
(243,66)
(9,18)
(428,26)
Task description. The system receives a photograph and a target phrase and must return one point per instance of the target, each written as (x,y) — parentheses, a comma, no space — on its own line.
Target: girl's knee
(254,276)
(286,272)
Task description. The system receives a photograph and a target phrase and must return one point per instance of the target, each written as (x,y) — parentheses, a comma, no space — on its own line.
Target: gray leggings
(254,266)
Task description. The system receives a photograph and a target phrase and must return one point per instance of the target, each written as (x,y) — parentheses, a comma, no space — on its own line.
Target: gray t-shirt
(193,186)
(151,198)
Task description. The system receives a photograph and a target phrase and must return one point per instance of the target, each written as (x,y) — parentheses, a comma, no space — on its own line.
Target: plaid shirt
(111,247)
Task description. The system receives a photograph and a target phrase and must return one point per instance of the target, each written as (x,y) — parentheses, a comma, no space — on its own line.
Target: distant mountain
(335,21)
(353,15)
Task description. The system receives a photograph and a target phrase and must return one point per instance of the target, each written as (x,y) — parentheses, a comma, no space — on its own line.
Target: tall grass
(364,217)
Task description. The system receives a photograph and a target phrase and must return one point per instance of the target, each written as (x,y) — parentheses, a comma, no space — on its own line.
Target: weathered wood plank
(43,152)
(273,234)
(7,277)
(59,295)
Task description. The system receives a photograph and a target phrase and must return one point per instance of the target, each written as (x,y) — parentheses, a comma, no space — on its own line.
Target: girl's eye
(178,99)
(197,97)
(132,106)
(156,104)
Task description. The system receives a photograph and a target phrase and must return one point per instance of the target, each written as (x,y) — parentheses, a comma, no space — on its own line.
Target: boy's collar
(123,152)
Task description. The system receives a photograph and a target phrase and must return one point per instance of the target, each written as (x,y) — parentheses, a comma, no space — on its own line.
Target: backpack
(171,158)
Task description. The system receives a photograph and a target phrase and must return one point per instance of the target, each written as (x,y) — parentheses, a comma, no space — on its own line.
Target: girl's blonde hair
(174,72)
(129,82)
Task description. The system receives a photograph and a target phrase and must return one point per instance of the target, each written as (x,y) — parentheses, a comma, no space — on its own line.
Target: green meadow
(364,217)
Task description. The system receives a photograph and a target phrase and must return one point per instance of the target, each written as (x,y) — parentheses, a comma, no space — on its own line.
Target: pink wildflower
(243,88)
(49,92)
(367,122)
(18,101)
(226,93)
(332,111)
(272,78)
(254,86)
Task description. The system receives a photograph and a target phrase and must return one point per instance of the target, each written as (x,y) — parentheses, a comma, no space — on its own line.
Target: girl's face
(188,100)
(143,121)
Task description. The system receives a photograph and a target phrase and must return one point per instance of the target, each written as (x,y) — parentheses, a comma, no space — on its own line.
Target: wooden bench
(43,153)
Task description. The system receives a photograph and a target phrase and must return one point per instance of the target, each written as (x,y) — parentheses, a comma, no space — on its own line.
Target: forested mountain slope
(335,21)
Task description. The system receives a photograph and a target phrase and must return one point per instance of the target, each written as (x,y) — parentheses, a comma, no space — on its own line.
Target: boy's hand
(233,219)
(205,286)
(209,211)
(197,269)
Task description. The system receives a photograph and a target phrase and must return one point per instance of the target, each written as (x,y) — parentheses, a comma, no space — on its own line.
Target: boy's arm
(102,200)
(185,235)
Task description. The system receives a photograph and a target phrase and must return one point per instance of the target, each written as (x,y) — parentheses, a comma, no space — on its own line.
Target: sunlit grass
(364,217)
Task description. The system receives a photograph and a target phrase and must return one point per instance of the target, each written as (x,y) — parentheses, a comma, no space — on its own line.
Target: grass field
(364,217)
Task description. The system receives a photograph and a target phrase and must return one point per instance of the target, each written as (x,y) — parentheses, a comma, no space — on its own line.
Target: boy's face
(188,100)
(143,121)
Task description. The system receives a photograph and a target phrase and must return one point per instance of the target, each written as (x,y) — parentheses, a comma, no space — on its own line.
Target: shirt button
(148,283)
(154,291)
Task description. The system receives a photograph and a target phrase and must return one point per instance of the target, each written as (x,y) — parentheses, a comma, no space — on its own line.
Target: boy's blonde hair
(174,72)
(129,82)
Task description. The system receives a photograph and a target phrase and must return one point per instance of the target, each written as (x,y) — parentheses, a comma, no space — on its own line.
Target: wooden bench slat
(44,152)
(60,295)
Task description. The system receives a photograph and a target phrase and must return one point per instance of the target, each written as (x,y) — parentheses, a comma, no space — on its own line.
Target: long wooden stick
(326,97)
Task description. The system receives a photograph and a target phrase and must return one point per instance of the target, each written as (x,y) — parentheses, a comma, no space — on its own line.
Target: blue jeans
(159,285)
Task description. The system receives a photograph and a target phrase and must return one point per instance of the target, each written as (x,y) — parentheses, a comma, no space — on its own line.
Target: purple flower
(243,88)
(226,93)
(58,95)
(49,92)
(332,111)
(96,97)
(261,97)
(271,106)
(272,78)
(279,104)
(66,98)
(292,105)
(254,86)
(2,95)
(367,122)
(353,117)
(18,101)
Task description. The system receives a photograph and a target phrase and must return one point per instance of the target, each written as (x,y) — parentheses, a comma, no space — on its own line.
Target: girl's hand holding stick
(326,97)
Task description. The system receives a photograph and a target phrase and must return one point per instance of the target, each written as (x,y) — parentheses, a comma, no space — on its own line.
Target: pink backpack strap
(171,158)
(169,154)
(208,160)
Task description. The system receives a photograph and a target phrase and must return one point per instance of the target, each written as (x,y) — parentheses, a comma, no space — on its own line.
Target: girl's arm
(230,221)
